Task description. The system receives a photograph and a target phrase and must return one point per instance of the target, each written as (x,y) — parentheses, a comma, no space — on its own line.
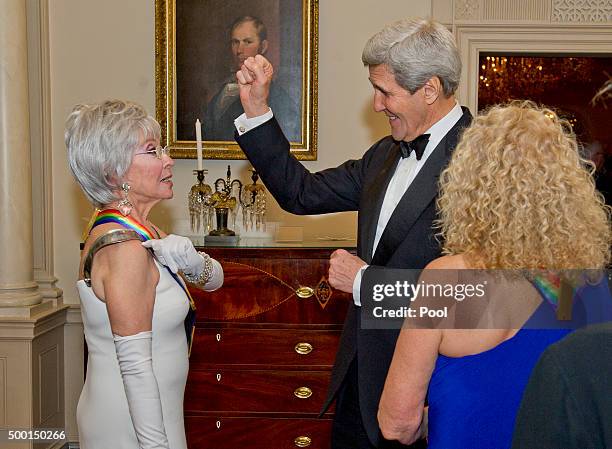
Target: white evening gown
(103,417)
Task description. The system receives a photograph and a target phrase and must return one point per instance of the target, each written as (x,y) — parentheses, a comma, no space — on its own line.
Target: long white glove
(178,253)
(135,362)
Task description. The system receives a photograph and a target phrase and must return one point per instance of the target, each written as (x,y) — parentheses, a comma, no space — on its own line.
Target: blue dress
(473,400)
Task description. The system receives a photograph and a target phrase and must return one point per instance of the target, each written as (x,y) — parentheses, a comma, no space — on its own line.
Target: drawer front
(257,290)
(257,433)
(256,391)
(282,347)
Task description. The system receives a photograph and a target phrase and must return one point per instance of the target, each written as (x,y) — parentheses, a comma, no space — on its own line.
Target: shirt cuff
(244,124)
(357,286)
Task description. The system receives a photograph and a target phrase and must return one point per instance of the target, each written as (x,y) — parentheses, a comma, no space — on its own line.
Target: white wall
(105,49)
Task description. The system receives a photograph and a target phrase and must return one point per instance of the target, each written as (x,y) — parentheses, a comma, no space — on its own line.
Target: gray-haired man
(414,68)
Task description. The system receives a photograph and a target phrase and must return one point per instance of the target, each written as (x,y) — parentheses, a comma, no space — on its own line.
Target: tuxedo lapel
(419,194)
(375,196)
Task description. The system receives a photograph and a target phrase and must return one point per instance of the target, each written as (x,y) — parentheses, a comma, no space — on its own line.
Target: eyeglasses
(158,152)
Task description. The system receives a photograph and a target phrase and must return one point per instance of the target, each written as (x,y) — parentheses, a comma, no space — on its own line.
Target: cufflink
(242,129)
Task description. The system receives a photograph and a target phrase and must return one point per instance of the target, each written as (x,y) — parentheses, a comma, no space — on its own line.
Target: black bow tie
(417,145)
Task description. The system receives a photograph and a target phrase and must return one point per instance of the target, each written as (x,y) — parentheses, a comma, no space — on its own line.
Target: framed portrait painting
(199,46)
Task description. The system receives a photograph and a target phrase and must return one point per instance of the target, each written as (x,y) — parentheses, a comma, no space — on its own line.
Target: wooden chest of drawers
(263,351)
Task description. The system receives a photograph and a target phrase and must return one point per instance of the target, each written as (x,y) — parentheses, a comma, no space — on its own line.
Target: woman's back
(473,399)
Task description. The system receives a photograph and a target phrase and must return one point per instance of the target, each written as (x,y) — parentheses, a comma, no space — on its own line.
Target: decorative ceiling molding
(582,11)
(467,9)
(515,10)
(577,12)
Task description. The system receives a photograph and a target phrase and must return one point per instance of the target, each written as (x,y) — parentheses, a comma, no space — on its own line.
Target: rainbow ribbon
(114,216)
(549,286)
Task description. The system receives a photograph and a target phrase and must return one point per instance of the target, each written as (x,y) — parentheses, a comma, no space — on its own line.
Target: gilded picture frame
(195,60)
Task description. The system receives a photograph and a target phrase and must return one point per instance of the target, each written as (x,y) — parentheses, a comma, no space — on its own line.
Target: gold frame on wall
(166,88)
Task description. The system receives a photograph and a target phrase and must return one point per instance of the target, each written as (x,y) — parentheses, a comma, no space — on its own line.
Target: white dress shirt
(406,171)
(244,124)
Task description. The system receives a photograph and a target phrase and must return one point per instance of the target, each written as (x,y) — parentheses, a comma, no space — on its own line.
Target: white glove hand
(177,253)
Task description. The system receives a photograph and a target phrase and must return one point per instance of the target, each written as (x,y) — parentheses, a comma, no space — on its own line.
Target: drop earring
(125,207)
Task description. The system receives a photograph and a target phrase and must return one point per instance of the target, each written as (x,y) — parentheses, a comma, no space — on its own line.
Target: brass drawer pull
(302,441)
(303,348)
(304,292)
(302,392)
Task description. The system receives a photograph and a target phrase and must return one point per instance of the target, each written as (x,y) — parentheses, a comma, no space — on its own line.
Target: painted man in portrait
(248,37)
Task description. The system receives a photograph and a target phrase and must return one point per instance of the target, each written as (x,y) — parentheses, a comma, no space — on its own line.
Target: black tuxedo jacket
(407,241)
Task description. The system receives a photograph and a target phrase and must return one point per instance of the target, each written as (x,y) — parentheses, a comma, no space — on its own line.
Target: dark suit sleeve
(296,189)
(549,416)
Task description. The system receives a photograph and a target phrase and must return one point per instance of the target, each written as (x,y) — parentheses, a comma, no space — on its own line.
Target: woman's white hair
(101,139)
(415,50)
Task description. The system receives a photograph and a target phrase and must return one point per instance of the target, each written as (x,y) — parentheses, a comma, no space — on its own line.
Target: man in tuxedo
(248,37)
(414,68)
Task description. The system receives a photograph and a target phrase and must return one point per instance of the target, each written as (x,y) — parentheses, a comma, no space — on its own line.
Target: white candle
(198,127)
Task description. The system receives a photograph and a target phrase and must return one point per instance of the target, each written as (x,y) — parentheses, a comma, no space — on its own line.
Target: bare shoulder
(115,253)
(129,255)
(127,260)
(93,236)
(451,262)
(129,283)
(125,266)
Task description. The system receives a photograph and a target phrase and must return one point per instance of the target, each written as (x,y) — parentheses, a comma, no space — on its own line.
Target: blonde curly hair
(517,195)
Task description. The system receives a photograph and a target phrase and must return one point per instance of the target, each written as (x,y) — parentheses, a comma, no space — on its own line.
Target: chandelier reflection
(504,78)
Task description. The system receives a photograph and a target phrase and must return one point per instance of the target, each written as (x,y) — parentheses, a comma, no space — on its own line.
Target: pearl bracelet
(205,274)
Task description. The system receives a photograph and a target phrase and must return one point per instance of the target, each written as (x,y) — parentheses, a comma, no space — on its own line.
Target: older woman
(134,304)
(516,195)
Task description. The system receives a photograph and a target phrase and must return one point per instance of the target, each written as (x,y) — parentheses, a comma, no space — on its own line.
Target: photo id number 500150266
(32,434)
